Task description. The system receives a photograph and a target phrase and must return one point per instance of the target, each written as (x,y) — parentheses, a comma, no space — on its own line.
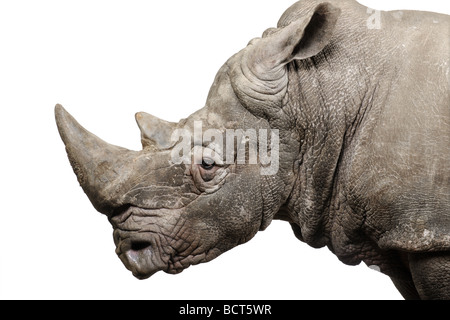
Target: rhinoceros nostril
(140,245)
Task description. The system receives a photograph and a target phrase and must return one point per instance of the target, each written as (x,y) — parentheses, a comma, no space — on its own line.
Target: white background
(104,61)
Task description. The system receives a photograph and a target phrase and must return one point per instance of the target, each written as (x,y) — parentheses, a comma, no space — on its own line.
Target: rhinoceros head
(208,183)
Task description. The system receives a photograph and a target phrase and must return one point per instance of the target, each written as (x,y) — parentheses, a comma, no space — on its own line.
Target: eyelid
(207,153)
(209,161)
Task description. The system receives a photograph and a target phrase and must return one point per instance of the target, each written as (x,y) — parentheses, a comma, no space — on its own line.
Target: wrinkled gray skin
(364,122)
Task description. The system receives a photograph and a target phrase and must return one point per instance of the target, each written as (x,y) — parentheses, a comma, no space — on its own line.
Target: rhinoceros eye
(208,163)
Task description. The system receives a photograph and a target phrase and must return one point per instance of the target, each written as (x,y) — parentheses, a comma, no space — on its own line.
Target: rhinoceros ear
(155,133)
(301,39)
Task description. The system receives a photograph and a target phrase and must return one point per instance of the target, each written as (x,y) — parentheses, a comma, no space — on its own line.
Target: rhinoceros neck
(332,95)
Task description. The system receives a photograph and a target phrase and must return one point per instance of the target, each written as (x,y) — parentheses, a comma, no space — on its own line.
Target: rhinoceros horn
(97,164)
(155,133)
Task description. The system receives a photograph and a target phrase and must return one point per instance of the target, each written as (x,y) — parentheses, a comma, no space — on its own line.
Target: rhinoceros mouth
(145,248)
(138,255)
(139,262)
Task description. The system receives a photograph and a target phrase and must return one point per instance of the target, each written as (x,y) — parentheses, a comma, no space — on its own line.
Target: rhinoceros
(353,116)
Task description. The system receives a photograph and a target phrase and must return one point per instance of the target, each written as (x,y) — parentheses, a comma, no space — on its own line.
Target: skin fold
(362,120)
